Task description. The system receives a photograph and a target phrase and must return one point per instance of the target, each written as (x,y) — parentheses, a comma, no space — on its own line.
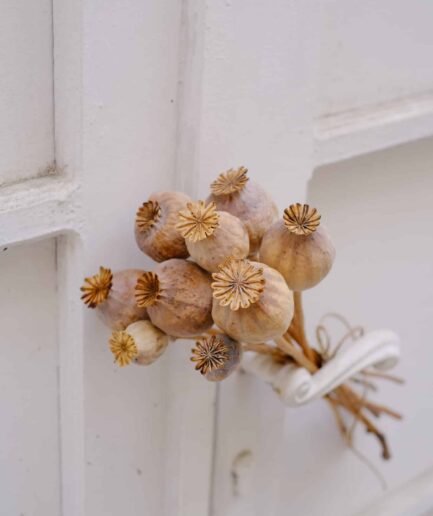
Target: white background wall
(129,97)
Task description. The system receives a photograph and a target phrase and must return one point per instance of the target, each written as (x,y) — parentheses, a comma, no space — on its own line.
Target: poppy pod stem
(297,328)
(342,396)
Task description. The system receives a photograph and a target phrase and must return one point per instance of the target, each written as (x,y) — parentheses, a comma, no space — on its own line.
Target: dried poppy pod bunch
(229,276)
(204,276)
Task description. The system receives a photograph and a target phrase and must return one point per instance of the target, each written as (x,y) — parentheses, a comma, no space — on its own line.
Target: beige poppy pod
(155,230)
(112,295)
(216,357)
(235,193)
(252,302)
(211,236)
(178,297)
(141,342)
(299,247)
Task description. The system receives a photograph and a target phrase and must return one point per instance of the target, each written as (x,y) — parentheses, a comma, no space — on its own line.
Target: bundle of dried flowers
(246,273)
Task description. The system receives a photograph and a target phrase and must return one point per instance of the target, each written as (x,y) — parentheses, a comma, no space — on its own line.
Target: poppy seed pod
(112,295)
(178,297)
(216,357)
(211,236)
(252,302)
(155,230)
(235,193)
(141,342)
(299,247)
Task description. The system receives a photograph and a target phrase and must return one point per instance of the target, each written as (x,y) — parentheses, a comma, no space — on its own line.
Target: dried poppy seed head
(147,215)
(198,221)
(147,290)
(210,353)
(301,219)
(123,347)
(232,181)
(96,288)
(238,284)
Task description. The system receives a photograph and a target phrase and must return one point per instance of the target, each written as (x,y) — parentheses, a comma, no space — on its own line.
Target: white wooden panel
(257,92)
(141,423)
(37,208)
(26,89)
(378,209)
(358,131)
(258,71)
(372,52)
(413,498)
(273,460)
(29,394)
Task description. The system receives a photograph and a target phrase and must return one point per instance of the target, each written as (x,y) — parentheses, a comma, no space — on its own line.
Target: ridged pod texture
(119,310)
(253,206)
(184,308)
(266,319)
(161,241)
(303,260)
(230,238)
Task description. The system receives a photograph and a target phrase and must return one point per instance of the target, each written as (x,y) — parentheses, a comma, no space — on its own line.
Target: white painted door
(88,128)
(331,101)
(103,103)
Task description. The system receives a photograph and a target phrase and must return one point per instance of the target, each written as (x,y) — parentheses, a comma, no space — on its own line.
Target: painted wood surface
(270,460)
(29,390)
(26,90)
(158,95)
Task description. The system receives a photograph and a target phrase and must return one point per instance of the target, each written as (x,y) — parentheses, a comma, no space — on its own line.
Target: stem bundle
(294,344)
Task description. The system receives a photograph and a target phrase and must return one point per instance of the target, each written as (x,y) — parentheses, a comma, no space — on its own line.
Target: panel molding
(37,209)
(71,379)
(414,497)
(66,219)
(351,133)
(190,425)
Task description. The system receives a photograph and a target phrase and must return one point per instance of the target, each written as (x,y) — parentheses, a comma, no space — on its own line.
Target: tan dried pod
(112,295)
(216,357)
(155,230)
(299,247)
(211,236)
(178,297)
(252,302)
(141,342)
(235,193)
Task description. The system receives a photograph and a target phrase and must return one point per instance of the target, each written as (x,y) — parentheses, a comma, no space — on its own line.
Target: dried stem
(334,404)
(343,396)
(382,409)
(346,395)
(296,354)
(265,349)
(297,328)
